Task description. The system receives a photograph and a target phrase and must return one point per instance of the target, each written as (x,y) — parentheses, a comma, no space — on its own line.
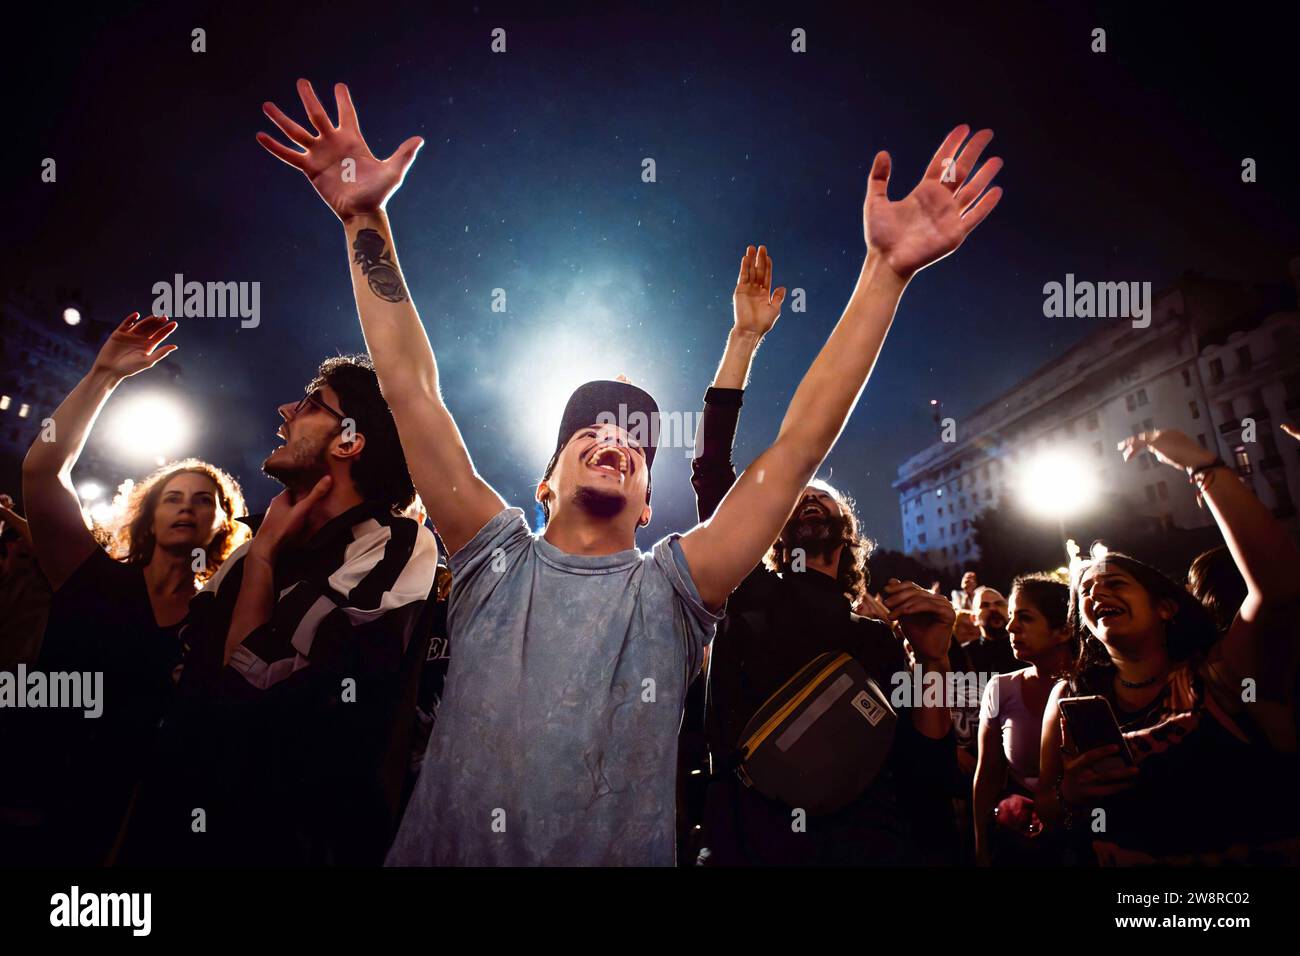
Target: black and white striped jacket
(303,737)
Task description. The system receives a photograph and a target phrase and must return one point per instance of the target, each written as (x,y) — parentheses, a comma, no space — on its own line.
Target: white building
(1215,355)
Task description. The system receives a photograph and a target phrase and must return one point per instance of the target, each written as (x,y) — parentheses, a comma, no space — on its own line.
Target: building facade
(1219,361)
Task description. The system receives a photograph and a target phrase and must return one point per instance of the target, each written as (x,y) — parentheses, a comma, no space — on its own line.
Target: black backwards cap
(617,403)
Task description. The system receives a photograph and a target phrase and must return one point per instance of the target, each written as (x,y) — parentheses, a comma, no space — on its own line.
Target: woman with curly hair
(117,612)
(1209,775)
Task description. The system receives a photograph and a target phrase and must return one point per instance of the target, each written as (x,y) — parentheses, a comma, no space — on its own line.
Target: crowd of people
(390,666)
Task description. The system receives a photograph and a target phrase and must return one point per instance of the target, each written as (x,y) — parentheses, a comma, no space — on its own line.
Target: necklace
(1134,685)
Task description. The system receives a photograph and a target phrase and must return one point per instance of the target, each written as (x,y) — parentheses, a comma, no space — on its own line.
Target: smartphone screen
(1092,724)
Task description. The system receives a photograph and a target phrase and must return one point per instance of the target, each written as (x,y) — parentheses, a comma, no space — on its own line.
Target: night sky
(1120,166)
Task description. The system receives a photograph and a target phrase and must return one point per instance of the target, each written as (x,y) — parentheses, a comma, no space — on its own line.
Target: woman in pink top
(1011,718)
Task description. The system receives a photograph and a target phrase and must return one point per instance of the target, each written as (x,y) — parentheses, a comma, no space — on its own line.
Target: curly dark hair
(1190,633)
(852,574)
(380,471)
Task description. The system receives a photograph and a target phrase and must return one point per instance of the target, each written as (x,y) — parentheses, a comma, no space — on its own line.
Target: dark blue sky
(1120,166)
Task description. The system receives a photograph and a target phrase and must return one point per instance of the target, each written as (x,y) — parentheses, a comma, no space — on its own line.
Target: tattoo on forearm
(371,253)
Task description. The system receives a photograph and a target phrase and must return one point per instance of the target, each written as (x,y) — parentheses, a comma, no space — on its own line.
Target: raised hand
(135,345)
(1169,446)
(937,216)
(756,307)
(350,189)
(926,618)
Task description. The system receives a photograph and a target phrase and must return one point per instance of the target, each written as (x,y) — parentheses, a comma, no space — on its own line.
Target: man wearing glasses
(303,654)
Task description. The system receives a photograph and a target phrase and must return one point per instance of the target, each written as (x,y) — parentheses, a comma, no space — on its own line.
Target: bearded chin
(817,536)
(301,473)
(598,504)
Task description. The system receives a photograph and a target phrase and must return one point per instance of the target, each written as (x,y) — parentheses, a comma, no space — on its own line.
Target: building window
(1130,402)
(1194,409)
(953,532)
(1187,377)
(921,537)
(945,551)
(920,519)
(1201,438)
(1142,396)
(1243,358)
(941,532)
(1216,371)
(1162,489)
(1243,460)
(962,501)
(1225,410)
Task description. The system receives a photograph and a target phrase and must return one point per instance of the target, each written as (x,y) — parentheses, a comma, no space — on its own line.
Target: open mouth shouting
(184,524)
(613,461)
(811,509)
(1107,612)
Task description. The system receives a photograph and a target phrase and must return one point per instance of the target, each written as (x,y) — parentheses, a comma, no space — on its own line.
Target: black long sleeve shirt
(776,624)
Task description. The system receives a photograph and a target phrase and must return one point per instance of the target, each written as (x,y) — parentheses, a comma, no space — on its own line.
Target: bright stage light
(71,316)
(91,491)
(1057,485)
(103,514)
(148,427)
(538,383)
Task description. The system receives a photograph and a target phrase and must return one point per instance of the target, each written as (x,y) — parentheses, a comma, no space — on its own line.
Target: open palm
(1170,446)
(756,307)
(352,188)
(937,216)
(136,345)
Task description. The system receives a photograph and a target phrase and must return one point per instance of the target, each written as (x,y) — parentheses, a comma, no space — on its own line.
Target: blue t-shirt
(556,741)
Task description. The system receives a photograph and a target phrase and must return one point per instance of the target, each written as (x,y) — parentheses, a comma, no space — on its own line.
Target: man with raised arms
(556,740)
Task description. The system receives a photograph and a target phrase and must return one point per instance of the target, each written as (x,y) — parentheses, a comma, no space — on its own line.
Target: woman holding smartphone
(1210,781)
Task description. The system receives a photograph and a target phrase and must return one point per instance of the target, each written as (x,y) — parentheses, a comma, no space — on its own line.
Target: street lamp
(1059,485)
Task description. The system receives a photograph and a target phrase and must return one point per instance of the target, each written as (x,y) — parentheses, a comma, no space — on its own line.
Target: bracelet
(1067,815)
(1194,473)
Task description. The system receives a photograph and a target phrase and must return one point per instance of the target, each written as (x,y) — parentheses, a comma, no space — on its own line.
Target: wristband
(1194,473)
